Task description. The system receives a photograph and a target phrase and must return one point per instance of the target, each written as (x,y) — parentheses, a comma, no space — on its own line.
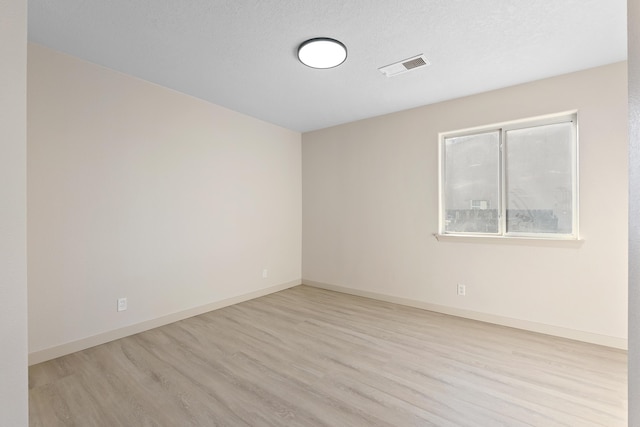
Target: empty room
(337,213)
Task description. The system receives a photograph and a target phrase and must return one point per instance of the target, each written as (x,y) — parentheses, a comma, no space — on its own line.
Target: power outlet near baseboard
(461,289)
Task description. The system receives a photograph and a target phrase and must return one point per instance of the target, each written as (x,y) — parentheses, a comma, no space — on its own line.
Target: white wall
(13,195)
(633,18)
(138,191)
(370,208)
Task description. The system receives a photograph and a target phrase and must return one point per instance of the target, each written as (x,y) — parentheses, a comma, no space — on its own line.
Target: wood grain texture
(311,357)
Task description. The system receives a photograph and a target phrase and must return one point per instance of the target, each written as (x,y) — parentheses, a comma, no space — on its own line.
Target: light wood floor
(310,357)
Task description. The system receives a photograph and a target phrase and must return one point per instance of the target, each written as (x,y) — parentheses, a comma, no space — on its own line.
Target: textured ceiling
(242,54)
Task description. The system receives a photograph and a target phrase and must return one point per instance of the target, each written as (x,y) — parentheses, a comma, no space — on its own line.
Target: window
(511,180)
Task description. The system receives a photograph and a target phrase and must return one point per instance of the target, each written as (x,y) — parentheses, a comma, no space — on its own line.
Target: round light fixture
(322,52)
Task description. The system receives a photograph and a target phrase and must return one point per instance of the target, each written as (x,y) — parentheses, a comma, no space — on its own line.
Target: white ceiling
(242,54)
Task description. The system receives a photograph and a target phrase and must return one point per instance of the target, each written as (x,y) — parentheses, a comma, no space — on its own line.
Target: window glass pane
(539,179)
(472,183)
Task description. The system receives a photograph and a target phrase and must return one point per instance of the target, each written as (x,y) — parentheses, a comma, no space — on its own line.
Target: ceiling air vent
(404,66)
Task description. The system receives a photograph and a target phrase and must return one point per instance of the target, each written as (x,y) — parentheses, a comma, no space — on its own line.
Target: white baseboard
(82,344)
(573,334)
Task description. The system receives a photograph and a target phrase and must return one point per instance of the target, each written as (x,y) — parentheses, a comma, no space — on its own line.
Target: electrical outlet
(265,273)
(122,304)
(462,289)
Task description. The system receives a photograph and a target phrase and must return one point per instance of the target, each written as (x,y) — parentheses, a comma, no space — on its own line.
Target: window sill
(515,240)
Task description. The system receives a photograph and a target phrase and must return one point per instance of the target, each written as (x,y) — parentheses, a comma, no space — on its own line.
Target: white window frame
(502,128)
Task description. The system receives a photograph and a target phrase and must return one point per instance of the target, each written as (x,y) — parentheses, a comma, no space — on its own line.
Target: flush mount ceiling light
(322,52)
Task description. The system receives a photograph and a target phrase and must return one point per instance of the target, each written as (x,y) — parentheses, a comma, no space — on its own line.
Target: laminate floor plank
(311,357)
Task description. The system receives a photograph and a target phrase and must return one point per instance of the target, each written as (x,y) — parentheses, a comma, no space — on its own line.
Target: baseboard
(604,340)
(82,344)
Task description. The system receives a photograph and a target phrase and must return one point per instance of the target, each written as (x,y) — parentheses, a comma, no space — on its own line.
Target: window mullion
(503,176)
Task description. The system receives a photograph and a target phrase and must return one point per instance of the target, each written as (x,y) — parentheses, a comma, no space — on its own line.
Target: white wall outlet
(462,289)
(122,304)
(265,273)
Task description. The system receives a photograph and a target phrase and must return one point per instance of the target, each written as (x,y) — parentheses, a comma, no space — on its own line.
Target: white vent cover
(404,66)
